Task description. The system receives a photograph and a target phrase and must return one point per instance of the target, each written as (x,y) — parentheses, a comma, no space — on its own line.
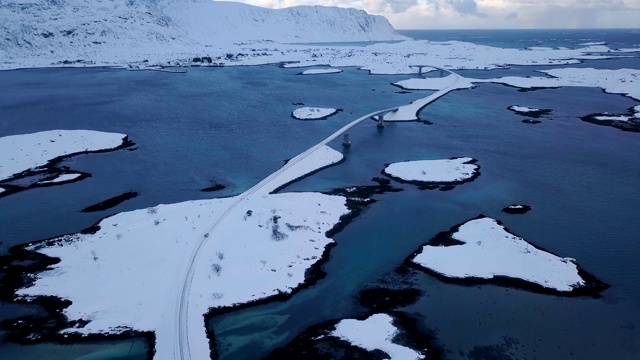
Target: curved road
(182,349)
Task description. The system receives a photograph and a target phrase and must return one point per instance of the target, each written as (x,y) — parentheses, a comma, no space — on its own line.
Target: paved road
(182,349)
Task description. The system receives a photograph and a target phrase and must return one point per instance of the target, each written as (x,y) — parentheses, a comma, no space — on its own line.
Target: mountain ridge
(120,31)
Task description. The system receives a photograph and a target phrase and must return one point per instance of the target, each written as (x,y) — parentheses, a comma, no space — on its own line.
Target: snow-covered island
(527,111)
(313,113)
(625,122)
(114,272)
(37,155)
(483,250)
(517,209)
(321,71)
(434,172)
(376,332)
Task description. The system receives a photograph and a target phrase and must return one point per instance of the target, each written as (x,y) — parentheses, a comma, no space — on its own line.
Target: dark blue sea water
(520,39)
(232,126)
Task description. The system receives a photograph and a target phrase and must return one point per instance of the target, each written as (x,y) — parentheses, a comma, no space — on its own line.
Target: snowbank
(485,249)
(434,171)
(313,113)
(61,178)
(321,71)
(29,151)
(375,333)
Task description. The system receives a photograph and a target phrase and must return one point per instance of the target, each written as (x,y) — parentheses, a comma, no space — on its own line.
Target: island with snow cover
(112,274)
(32,160)
(391,335)
(517,209)
(624,122)
(313,113)
(434,173)
(376,332)
(527,111)
(482,250)
(320,71)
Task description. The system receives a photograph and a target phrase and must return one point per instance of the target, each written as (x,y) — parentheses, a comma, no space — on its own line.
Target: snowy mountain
(42,32)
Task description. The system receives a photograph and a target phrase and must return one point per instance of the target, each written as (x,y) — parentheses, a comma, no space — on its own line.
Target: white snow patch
(61,178)
(1,190)
(515,207)
(489,250)
(439,171)
(28,151)
(522,109)
(321,71)
(591,43)
(612,117)
(636,109)
(313,113)
(374,333)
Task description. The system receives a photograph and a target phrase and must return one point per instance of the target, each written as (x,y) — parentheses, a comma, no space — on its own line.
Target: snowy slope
(119,31)
(211,23)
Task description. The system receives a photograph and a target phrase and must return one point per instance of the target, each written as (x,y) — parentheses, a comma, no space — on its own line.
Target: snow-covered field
(30,151)
(313,113)
(489,250)
(375,333)
(252,246)
(434,171)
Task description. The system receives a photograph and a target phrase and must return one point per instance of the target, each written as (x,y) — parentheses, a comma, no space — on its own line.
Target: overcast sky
(489,14)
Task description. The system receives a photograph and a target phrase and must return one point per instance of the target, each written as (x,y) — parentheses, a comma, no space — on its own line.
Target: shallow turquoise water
(232,125)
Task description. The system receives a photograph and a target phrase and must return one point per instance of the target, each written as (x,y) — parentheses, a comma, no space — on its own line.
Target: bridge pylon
(345,140)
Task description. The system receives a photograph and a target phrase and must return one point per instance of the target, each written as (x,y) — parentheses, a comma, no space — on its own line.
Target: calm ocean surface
(232,125)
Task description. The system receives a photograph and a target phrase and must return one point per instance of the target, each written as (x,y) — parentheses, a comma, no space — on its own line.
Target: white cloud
(484,14)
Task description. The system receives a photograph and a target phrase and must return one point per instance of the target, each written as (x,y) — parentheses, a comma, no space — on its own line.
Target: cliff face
(122,30)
